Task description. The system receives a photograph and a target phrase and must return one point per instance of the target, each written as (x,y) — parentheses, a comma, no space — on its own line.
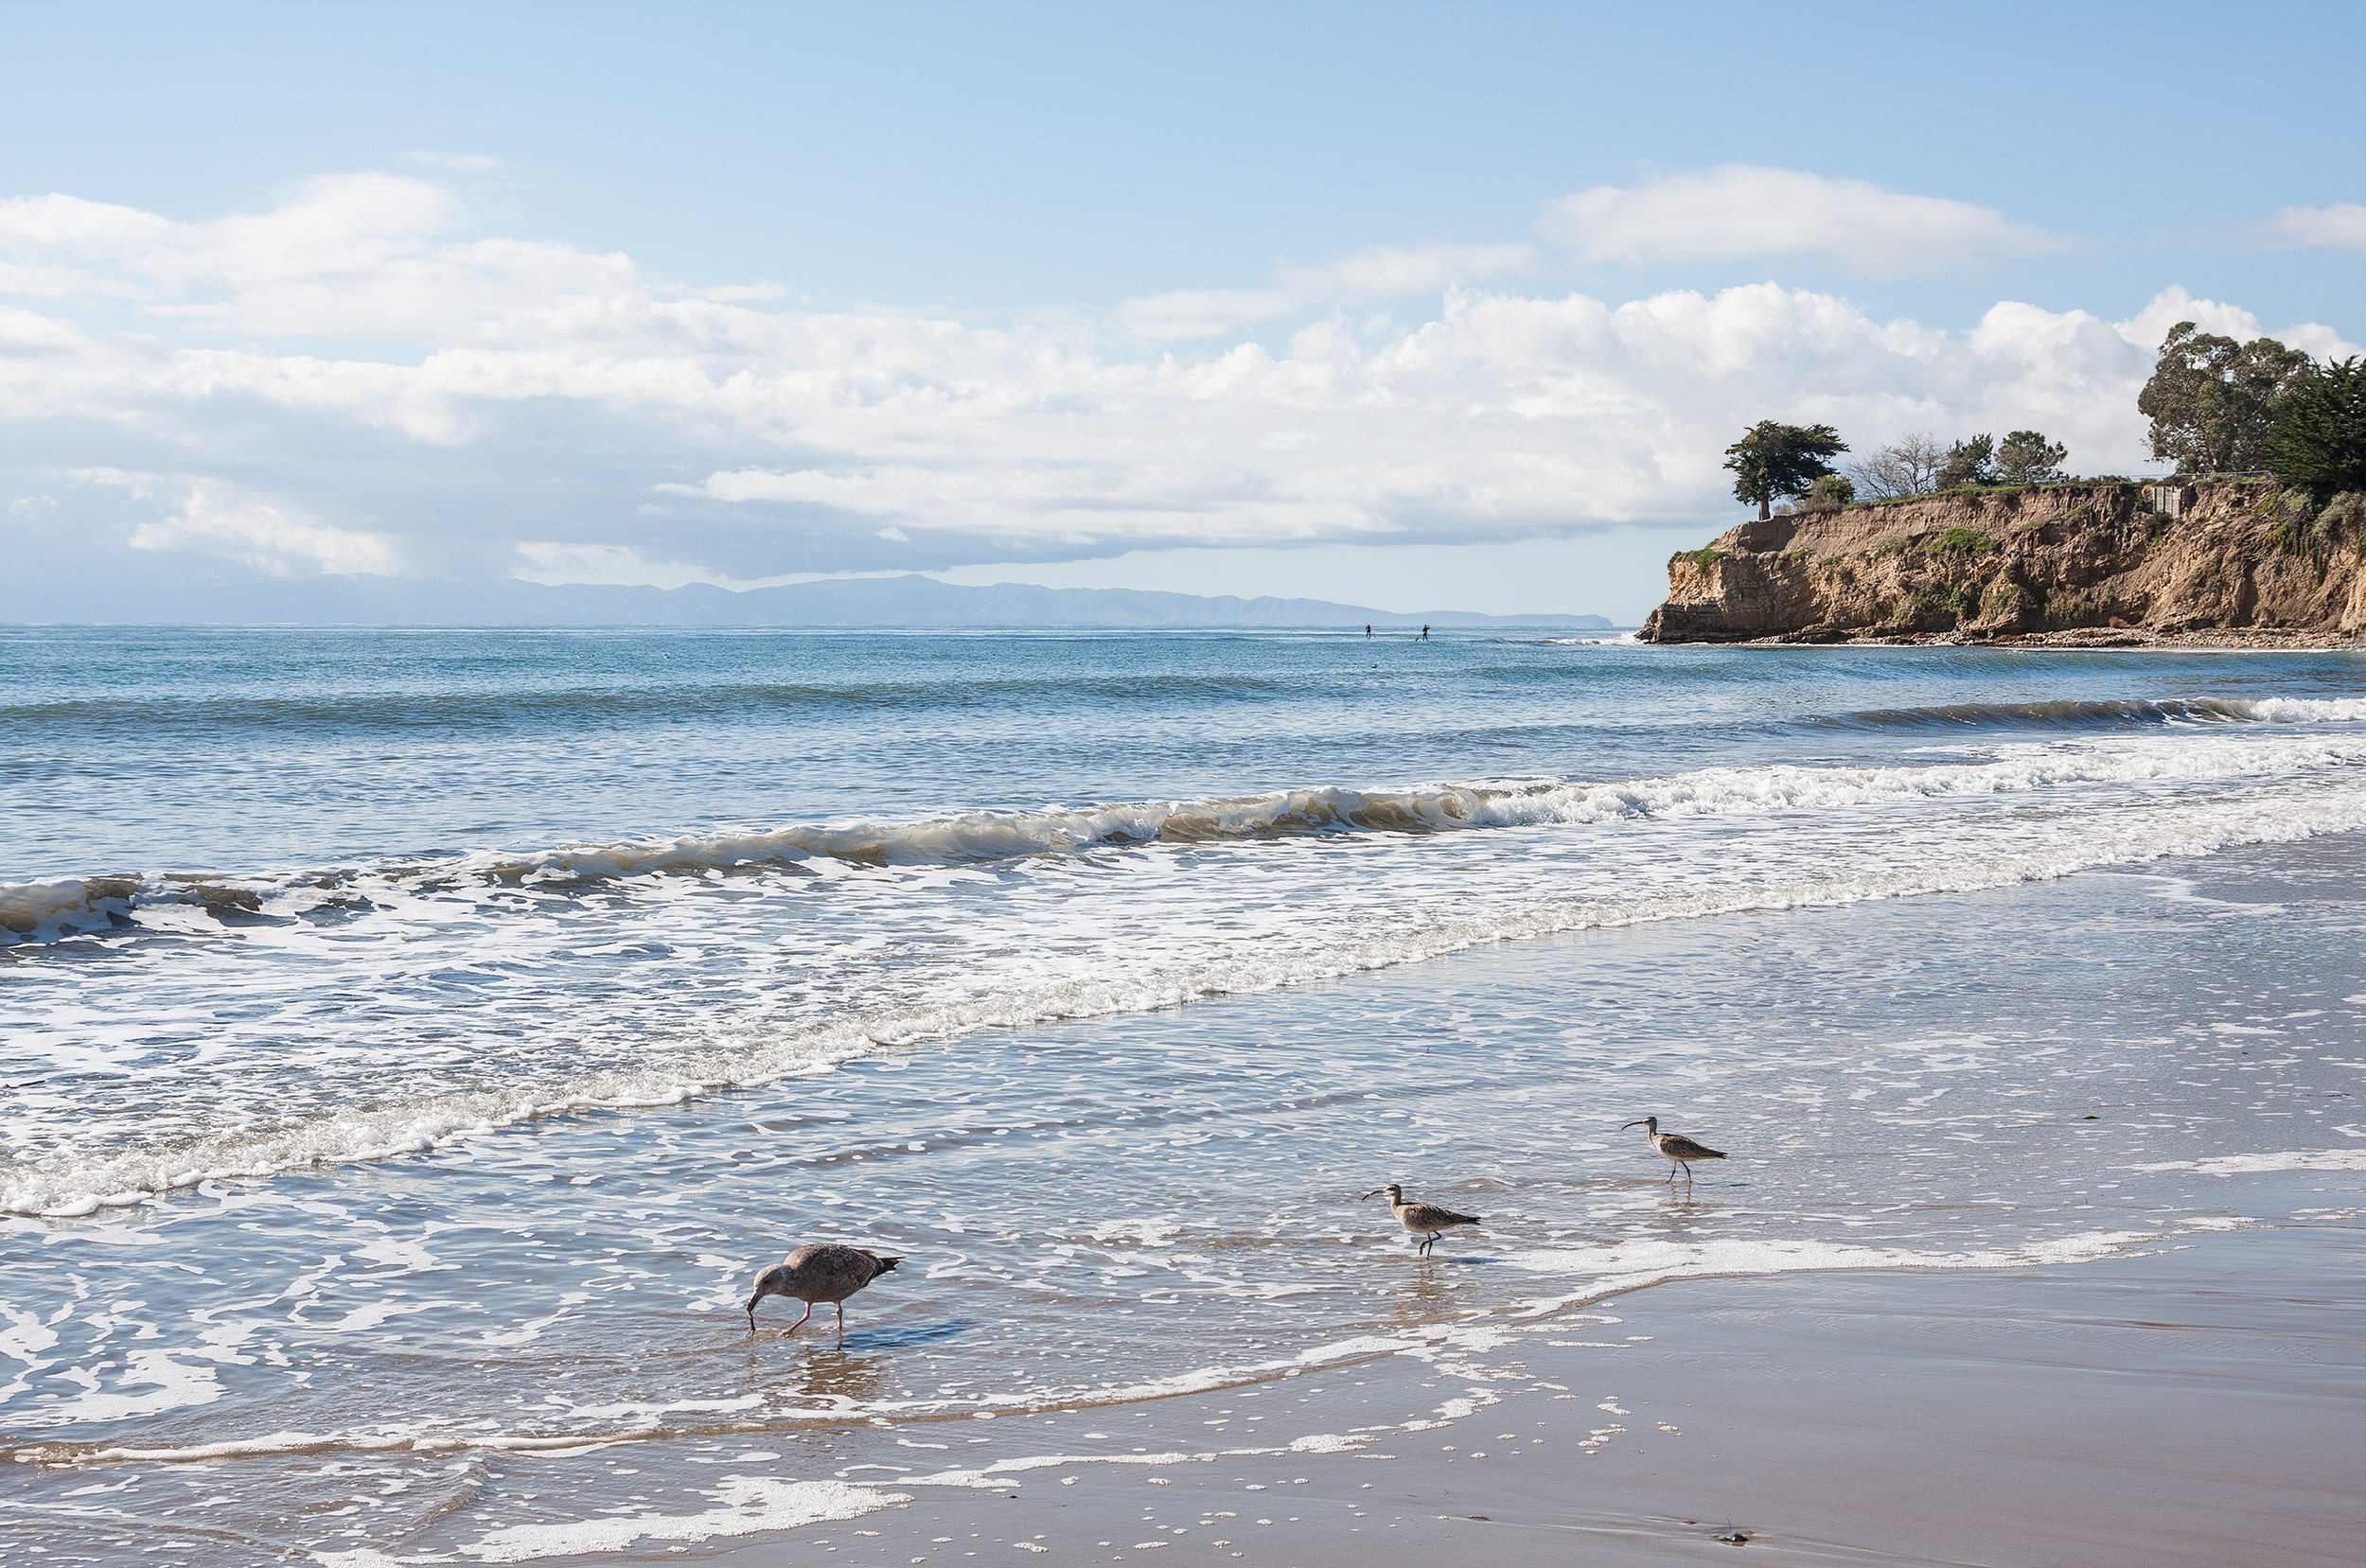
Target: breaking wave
(82,1183)
(49,912)
(2119,715)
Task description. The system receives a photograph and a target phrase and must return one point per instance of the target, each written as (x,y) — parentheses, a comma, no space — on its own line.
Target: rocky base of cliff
(2238,565)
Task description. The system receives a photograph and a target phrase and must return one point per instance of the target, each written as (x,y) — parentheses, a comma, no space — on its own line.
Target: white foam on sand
(1623,1266)
(2285,1159)
(746,1504)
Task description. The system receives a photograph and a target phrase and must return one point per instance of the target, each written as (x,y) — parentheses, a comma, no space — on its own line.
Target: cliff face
(2072,563)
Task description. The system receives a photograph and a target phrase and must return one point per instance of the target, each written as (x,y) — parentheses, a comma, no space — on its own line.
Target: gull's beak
(752,1314)
(1637,1122)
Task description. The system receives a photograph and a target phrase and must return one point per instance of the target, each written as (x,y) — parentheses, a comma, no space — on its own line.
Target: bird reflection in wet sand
(839,1379)
(1419,1296)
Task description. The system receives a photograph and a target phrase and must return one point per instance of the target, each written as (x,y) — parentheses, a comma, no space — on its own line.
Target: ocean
(414,1042)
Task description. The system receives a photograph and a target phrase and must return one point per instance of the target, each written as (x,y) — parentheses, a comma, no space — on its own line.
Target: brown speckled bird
(1427,1221)
(1674,1147)
(826,1272)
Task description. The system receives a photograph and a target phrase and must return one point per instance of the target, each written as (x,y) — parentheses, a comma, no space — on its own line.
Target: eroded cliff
(2065,563)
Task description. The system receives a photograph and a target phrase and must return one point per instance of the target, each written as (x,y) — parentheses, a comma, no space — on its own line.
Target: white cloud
(1742,210)
(255,532)
(1386,272)
(346,226)
(533,386)
(2340,227)
(609,565)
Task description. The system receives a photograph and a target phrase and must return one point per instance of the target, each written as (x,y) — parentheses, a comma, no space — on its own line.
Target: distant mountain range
(840,601)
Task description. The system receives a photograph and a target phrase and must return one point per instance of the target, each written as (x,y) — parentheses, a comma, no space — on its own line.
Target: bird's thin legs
(800,1322)
(842,1322)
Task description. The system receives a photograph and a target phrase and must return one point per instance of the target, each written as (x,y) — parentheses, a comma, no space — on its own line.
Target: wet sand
(2202,1403)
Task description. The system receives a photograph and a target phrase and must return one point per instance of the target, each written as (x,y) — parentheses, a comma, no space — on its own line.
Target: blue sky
(1376,302)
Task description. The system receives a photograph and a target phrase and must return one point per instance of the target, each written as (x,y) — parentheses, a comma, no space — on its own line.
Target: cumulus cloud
(1742,211)
(1381,272)
(529,409)
(2340,227)
(255,532)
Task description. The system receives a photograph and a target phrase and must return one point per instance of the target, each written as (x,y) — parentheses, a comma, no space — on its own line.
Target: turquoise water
(414,1041)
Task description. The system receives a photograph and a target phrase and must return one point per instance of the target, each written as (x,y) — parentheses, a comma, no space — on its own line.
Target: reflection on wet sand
(836,1377)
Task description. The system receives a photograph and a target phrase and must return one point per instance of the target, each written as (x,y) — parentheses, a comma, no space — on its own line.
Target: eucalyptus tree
(2213,400)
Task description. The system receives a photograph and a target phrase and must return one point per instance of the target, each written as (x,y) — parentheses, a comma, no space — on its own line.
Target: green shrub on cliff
(2306,529)
(1961,541)
(1831,493)
(2344,514)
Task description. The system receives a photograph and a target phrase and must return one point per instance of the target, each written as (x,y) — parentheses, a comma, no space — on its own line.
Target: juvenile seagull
(1427,1221)
(827,1272)
(1674,1146)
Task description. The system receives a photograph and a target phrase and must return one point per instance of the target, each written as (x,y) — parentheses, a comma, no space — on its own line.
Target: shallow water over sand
(1115,1098)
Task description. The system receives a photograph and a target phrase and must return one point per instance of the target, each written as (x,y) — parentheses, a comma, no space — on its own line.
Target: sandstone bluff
(2209,562)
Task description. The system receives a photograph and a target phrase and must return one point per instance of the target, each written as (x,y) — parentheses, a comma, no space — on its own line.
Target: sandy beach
(2202,1403)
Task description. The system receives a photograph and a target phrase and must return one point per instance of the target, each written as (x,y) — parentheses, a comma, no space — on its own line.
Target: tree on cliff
(1781,460)
(2026,457)
(2319,441)
(1907,467)
(2212,400)
(1972,462)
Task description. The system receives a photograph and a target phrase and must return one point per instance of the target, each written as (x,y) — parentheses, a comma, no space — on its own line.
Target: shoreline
(2113,640)
(2186,1402)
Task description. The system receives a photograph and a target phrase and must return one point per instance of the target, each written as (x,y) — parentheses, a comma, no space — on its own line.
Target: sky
(1416,305)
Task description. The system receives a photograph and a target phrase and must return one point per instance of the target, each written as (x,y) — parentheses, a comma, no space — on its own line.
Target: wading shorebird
(1674,1146)
(1427,1221)
(827,1272)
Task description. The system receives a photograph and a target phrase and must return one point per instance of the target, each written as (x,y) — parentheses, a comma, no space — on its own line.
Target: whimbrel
(826,1272)
(1674,1146)
(1427,1221)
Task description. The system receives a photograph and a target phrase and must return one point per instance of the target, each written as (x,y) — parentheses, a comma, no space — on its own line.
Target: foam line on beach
(2263,1164)
(1608,1271)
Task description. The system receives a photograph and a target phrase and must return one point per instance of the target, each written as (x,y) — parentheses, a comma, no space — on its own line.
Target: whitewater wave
(2115,714)
(46,912)
(81,1183)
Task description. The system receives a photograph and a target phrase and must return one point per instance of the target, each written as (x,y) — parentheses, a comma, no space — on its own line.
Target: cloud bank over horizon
(366,379)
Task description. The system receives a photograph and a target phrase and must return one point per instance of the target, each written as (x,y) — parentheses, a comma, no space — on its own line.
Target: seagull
(1427,1221)
(1674,1146)
(827,1272)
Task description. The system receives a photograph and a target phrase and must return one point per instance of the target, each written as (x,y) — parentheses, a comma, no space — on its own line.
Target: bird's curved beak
(1374,1193)
(1637,1122)
(752,1314)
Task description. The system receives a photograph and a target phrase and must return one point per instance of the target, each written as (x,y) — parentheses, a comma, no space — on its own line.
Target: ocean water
(414,1042)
